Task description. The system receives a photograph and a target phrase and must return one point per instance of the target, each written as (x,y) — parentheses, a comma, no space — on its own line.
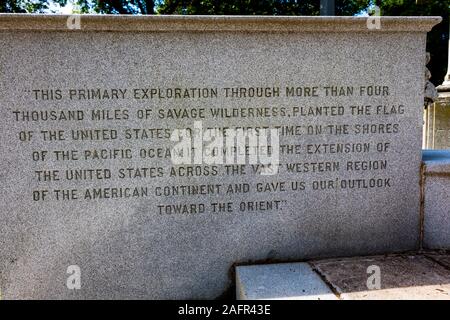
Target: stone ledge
(282,281)
(436,223)
(173,23)
(436,161)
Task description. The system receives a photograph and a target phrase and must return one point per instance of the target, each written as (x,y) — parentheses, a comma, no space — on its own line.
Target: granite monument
(142,157)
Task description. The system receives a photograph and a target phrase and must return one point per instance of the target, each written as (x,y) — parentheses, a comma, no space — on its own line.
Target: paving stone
(402,277)
(286,281)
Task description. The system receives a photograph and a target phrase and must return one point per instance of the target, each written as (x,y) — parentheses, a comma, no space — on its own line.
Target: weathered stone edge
(170,23)
(437,162)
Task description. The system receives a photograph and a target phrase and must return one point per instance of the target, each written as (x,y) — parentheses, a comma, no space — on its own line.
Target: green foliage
(117,6)
(258,7)
(85,6)
(27,6)
(437,40)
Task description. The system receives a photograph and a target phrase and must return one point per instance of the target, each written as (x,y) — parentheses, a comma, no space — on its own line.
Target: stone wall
(436,207)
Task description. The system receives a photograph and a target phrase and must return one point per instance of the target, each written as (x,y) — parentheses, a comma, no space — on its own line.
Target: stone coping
(436,161)
(192,23)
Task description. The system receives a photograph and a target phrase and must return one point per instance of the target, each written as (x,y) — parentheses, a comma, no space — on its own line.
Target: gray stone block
(436,199)
(87,178)
(285,281)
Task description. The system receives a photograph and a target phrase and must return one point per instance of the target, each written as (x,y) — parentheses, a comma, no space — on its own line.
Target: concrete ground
(420,276)
(393,277)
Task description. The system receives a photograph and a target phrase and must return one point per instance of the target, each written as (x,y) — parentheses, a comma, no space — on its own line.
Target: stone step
(391,277)
(285,281)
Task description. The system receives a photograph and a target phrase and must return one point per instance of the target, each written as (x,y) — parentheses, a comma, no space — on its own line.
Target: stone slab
(436,199)
(92,189)
(284,281)
(402,277)
(436,161)
(193,23)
